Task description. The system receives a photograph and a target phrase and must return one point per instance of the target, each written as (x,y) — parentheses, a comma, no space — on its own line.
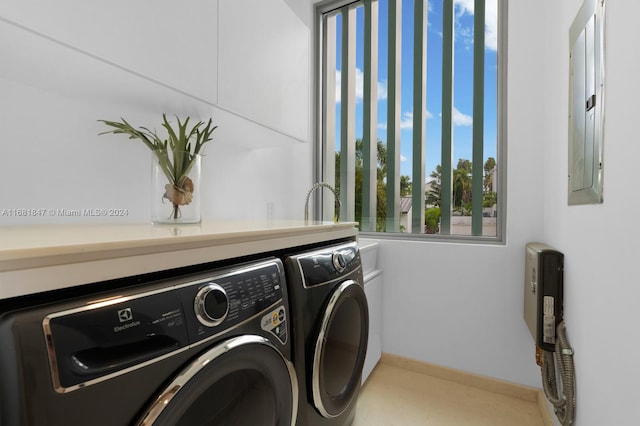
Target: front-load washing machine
(209,348)
(330,331)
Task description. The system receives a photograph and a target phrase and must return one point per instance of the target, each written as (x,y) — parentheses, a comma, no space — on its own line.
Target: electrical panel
(586,104)
(543,293)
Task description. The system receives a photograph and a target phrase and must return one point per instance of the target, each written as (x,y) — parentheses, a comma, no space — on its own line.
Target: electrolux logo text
(124,316)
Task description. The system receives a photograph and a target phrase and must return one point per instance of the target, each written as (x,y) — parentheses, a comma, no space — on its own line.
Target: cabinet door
(263,72)
(373,290)
(167,42)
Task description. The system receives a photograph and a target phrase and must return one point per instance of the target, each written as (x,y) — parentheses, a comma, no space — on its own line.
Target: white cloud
(406,121)
(491,20)
(491,25)
(403,158)
(382,86)
(464,6)
(460,119)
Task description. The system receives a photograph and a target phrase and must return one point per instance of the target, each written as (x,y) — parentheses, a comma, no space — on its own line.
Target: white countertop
(46,257)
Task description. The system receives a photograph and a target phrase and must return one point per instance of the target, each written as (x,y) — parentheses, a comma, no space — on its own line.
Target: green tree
(489,167)
(489,196)
(381,174)
(489,199)
(462,186)
(462,178)
(405,186)
(432,220)
(435,187)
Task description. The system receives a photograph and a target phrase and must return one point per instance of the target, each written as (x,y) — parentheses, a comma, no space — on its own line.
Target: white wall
(65,65)
(599,241)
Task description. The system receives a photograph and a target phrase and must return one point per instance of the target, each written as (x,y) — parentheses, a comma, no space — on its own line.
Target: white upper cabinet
(172,43)
(263,64)
(246,62)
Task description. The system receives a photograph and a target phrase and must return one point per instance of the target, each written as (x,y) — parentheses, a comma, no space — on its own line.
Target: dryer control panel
(329,263)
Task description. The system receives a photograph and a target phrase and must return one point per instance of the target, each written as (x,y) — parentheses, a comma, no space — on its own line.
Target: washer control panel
(94,340)
(232,297)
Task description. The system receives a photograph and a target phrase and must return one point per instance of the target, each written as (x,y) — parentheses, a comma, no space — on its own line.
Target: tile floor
(393,396)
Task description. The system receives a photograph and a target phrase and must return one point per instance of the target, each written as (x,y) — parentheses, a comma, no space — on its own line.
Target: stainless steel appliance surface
(211,347)
(330,331)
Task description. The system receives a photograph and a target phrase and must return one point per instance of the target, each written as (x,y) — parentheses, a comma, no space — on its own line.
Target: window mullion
(419,108)
(347,115)
(370,116)
(447,117)
(393,116)
(478,117)
(329,111)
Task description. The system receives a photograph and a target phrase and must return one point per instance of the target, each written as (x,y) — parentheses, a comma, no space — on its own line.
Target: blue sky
(463,63)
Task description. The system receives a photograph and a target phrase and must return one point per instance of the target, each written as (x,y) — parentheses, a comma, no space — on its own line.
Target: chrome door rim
(170,391)
(320,342)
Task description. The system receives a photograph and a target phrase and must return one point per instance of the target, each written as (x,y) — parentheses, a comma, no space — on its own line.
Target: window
(411,113)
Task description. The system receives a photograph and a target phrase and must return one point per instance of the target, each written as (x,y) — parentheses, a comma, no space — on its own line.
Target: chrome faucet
(313,188)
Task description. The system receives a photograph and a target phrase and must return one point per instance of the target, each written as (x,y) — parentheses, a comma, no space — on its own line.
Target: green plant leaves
(179,144)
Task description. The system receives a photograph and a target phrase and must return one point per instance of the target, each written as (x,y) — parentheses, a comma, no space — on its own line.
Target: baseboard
(474,380)
(544,409)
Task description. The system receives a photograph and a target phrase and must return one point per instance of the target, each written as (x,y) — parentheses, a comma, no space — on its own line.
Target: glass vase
(175,187)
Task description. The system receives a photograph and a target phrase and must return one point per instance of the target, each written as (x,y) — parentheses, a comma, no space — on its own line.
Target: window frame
(323,206)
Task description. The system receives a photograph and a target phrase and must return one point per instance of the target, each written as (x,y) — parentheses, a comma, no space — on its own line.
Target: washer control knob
(211,304)
(339,262)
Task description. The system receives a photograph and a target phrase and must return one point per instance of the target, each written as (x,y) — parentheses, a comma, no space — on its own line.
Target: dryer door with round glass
(242,381)
(340,349)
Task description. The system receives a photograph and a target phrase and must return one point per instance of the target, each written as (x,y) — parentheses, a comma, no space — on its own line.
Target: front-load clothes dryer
(210,348)
(331,327)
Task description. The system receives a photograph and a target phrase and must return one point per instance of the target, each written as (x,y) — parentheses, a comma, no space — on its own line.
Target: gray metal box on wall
(543,293)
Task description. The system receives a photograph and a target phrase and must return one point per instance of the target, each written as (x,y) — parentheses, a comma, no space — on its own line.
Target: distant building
(405,214)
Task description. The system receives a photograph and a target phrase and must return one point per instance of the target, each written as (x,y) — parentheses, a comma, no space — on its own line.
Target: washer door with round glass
(340,350)
(244,380)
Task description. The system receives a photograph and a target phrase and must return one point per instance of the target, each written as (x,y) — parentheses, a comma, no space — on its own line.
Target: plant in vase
(176,156)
